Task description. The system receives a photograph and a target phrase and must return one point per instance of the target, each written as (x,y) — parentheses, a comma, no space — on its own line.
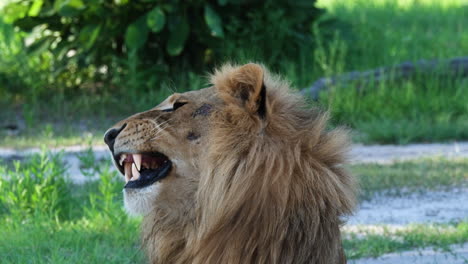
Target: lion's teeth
(128,172)
(137,160)
(122,158)
(135,172)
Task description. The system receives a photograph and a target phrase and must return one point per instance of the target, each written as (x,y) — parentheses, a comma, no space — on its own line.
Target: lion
(240,172)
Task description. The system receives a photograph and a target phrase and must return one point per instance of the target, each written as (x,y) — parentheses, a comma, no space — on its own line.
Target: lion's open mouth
(142,170)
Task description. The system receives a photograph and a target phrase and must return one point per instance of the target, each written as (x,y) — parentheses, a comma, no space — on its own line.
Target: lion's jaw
(141,201)
(164,193)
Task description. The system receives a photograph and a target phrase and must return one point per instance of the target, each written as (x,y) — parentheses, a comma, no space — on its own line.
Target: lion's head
(241,172)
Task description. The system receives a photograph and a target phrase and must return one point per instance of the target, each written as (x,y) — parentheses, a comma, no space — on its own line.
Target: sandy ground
(425,207)
(392,153)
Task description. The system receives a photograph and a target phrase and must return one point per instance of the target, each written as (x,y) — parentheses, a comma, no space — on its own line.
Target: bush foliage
(99,40)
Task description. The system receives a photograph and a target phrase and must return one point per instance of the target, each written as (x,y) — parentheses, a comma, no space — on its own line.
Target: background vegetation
(70,68)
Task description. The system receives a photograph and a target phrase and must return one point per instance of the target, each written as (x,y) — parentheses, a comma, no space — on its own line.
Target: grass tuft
(410,176)
(438,236)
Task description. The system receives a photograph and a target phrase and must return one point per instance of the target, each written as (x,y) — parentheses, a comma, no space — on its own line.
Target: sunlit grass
(386,33)
(382,33)
(409,111)
(410,176)
(65,134)
(87,240)
(373,244)
(47,219)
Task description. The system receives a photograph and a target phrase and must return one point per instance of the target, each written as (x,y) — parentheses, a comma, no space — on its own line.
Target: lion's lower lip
(150,176)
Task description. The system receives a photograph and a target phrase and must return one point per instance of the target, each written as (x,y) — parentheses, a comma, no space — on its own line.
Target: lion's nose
(111,135)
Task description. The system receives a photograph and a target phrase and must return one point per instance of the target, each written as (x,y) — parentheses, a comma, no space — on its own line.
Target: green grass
(410,176)
(399,179)
(370,244)
(47,219)
(385,33)
(81,241)
(83,118)
(415,111)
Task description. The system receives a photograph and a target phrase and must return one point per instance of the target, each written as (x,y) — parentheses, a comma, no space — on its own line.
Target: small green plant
(29,116)
(36,187)
(106,202)
(88,165)
(48,131)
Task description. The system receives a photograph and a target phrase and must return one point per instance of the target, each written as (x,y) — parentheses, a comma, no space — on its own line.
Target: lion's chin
(140,202)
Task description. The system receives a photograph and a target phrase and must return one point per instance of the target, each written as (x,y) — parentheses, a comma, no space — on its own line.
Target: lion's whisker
(158,133)
(159,127)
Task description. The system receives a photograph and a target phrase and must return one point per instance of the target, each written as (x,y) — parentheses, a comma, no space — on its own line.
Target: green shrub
(100,40)
(105,199)
(37,187)
(20,72)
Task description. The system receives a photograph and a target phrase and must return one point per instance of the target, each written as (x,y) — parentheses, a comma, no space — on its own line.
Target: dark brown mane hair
(273,186)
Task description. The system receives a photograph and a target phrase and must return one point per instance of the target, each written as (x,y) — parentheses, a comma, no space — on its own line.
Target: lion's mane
(273,188)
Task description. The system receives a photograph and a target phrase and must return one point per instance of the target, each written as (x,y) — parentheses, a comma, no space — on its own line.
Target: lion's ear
(243,86)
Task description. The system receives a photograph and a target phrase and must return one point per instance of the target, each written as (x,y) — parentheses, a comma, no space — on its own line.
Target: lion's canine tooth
(128,172)
(137,161)
(122,158)
(135,172)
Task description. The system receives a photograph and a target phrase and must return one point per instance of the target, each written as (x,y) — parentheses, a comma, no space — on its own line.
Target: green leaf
(136,34)
(156,19)
(89,35)
(35,8)
(121,2)
(14,11)
(8,33)
(213,21)
(303,3)
(28,23)
(40,45)
(222,2)
(69,8)
(177,38)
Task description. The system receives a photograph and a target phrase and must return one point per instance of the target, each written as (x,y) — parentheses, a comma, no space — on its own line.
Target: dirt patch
(385,154)
(419,207)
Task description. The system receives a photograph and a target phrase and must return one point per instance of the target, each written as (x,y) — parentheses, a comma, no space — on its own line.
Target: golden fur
(263,183)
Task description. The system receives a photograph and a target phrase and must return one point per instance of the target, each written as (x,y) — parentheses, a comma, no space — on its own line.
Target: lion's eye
(178,105)
(175,106)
